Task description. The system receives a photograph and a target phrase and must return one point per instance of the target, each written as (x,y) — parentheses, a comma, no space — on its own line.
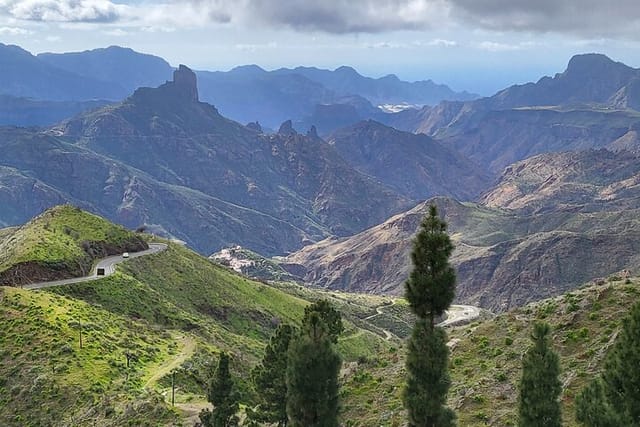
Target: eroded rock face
(186,80)
(571,217)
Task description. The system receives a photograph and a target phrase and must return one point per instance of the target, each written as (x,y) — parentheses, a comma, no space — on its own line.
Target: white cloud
(116,32)
(385,45)
(442,43)
(498,47)
(63,10)
(14,31)
(330,16)
(584,18)
(250,47)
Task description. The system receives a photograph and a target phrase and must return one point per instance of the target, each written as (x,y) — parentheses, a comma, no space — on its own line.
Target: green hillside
(47,380)
(61,242)
(171,311)
(485,359)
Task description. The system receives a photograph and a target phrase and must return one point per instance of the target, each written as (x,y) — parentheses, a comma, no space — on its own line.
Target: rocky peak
(313,132)
(254,126)
(185,79)
(590,63)
(286,129)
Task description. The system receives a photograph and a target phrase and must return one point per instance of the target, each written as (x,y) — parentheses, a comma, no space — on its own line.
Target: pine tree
(270,378)
(329,315)
(429,290)
(540,385)
(615,397)
(223,397)
(431,286)
(312,376)
(593,409)
(427,377)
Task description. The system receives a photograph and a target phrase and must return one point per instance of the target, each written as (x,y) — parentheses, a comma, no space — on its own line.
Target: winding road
(456,315)
(460,314)
(108,264)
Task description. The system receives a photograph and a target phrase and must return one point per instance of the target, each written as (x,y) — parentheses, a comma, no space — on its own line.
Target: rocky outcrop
(185,80)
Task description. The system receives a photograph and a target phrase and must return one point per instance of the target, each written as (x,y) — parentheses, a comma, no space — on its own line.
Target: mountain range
(164,159)
(245,94)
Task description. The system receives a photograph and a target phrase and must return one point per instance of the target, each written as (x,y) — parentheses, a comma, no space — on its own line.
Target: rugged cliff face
(572,218)
(416,166)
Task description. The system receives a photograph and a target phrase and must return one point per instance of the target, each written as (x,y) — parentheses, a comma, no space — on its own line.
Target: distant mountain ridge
(24,75)
(122,66)
(163,158)
(245,94)
(416,166)
(590,80)
(384,90)
(589,105)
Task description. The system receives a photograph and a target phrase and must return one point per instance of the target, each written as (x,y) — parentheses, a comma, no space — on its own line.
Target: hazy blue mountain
(32,112)
(24,75)
(123,67)
(384,90)
(245,94)
(250,93)
(589,105)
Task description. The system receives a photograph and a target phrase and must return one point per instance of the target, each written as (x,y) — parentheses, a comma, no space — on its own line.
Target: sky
(476,45)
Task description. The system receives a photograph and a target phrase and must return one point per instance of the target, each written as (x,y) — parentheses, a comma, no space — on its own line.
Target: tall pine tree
(540,385)
(428,380)
(312,375)
(617,393)
(432,283)
(329,315)
(429,290)
(270,378)
(222,396)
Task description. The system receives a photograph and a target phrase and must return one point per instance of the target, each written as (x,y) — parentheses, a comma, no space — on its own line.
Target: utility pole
(173,388)
(80,323)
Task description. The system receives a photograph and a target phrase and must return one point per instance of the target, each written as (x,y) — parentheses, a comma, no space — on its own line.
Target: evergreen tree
(270,378)
(312,376)
(329,315)
(540,385)
(431,285)
(615,397)
(592,408)
(429,290)
(427,377)
(223,397)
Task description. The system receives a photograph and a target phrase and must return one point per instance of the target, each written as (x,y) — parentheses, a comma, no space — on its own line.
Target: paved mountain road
(460,314)
(109,265)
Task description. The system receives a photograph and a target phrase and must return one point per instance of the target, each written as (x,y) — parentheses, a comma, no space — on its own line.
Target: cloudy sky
(477,45)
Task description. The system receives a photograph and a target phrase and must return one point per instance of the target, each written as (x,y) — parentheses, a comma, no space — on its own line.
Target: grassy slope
(55,238)
(485,361)
(172,309)
(46,379)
